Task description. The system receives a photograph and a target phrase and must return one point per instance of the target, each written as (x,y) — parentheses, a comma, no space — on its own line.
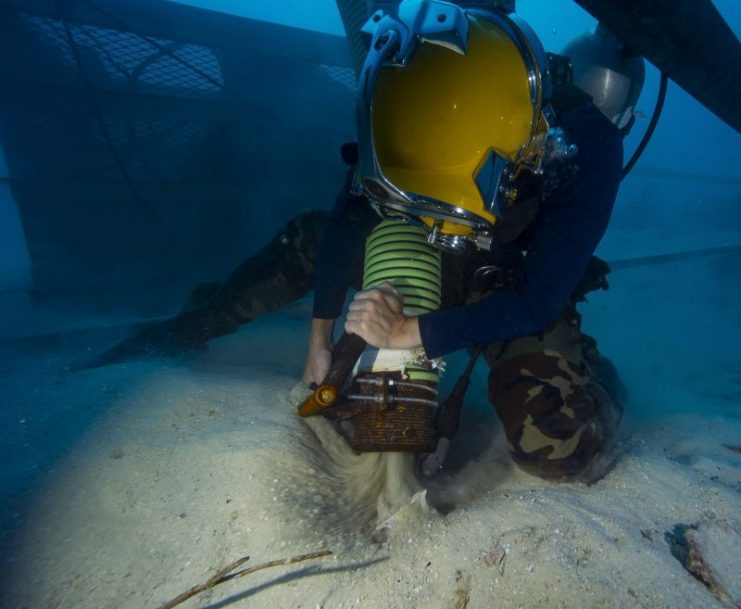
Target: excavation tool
(392,398)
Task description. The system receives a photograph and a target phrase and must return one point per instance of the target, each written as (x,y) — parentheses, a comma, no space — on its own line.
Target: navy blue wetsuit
(562,238)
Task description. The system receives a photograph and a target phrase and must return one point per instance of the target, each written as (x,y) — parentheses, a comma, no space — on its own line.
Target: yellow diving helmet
(449,114)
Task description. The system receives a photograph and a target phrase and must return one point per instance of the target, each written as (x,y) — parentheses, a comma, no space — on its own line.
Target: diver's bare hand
(319,356)
(377,316)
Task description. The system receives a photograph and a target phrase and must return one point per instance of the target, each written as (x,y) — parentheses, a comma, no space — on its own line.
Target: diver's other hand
(319,357)
(377,316)
(317,366)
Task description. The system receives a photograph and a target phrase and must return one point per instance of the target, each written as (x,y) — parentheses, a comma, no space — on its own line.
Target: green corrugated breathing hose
(399,254)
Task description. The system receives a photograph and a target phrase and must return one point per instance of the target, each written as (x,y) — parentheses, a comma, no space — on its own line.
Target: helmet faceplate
(449,111)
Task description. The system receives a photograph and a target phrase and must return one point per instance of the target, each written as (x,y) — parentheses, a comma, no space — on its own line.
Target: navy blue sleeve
(340,251)
(569,226)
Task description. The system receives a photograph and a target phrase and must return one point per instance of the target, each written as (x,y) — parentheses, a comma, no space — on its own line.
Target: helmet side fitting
(606,69)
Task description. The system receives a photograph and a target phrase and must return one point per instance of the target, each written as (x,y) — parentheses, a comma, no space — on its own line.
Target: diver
(511,161)
(466,128)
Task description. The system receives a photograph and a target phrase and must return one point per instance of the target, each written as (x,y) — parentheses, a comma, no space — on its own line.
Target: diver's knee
(559,450)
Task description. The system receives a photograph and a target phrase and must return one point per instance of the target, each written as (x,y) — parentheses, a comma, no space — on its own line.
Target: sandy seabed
(202,460)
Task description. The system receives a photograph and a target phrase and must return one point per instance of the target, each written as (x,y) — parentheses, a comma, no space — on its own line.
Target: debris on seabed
(462,594)
(711,551)
(495,558)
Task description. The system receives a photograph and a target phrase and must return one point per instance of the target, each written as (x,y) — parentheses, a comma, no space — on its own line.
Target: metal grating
(147,147)
(159,130)
(133,62)
(53,31)
(340,75)
(170,73)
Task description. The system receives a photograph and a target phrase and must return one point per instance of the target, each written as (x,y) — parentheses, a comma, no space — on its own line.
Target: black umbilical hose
(651,126)
(448,418)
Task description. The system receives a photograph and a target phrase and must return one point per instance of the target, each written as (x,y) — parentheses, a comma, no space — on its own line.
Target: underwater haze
(148,148)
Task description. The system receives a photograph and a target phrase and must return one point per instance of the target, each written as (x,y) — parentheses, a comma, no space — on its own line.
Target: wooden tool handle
(344,356)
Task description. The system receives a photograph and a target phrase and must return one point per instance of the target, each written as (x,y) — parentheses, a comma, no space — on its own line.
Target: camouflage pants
(277,274)
(557,418)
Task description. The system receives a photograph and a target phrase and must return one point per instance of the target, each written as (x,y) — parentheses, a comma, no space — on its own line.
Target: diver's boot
(148,340)
(194,327)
